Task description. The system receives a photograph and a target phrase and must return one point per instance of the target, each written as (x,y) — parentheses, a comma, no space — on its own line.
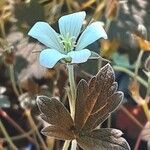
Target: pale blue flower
(67,45)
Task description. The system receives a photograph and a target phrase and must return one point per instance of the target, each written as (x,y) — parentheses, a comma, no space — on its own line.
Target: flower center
(68,42)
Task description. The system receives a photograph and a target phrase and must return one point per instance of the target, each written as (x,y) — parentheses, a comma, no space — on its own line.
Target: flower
(67,45)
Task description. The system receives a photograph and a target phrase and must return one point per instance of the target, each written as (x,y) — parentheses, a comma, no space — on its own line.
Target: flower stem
(74,145)
(107,26)
(68,5)
(131,74)
(66,145)
(9,119)
(71,97)
(146,110)
(21,136)
(138,141)
(138,63)
(32,124)
(109,121)
(72,89)
(11,68)
(12,78)
(7,136)
(2,28)
(148,91)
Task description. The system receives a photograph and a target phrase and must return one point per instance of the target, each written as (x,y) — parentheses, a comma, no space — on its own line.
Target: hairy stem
(72,88)
(71,97)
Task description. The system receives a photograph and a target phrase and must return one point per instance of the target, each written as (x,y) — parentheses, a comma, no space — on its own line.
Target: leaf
(80,102)
(58,133)
(96,100)
(95,119)
(103,139)
(54,112)
(4,101)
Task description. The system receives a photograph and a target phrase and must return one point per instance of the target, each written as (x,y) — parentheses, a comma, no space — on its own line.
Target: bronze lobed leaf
(96,99)
(58,132)
(55,113)
(103,139)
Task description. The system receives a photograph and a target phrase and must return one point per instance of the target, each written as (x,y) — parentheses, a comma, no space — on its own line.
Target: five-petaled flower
(67,45)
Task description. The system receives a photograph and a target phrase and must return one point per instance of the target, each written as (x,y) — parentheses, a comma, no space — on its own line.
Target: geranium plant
(91,102)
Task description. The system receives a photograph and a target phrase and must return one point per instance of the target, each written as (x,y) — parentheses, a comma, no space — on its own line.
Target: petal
(71,24)
(45,34)
(79,56)
(49,57)
(92,33)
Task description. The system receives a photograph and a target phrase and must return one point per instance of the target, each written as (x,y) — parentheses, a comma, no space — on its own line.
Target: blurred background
(127,23)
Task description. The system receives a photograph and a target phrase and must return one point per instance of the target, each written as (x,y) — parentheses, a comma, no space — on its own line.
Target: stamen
(68,42)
